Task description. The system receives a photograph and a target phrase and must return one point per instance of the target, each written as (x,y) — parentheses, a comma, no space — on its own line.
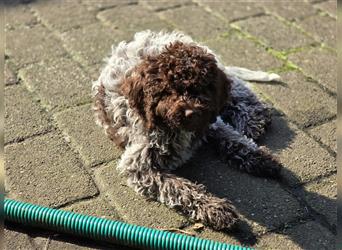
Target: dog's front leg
(246,113)
(191,199)
(242,152)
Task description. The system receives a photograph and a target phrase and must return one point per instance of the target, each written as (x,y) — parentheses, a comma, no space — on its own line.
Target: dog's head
(181,88)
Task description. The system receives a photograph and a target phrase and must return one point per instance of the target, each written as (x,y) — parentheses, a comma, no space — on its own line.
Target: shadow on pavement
(55,238)
(13,3)
(264,201)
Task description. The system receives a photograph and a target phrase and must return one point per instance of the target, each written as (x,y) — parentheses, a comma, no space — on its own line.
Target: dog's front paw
(267,164)
(217,213)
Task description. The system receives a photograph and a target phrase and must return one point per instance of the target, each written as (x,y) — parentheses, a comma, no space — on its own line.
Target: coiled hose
(106,230)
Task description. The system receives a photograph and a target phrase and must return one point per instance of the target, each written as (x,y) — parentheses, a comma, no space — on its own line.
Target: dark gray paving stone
(326,134)
(262,202)
(291,11)
(328,6)
(17,240)
(321,195)
(310,235)
(232,10)
(59,83)
(23,116)
(142,19)
(295,98)
(274,33)
(96,44)
(78,125)
(19,16)
(302,157)
(323,28)
(63,15)
(164,5)
(105,4)
(235,50)
(98,207)
(132,207)
(319,64)
(26,45)
(10,76)
(200,24)
(43,170)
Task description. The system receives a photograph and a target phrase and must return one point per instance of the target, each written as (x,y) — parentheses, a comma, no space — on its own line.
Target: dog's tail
(250,75)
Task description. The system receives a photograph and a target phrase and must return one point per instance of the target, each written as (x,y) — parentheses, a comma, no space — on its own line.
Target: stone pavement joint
(326,134)
(236,10)
(168,5)
(24,118)
(30,163)
(274,33)
(85,136)
(75,84)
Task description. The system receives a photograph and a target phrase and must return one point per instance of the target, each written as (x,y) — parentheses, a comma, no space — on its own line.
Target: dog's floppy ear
(225,84)
(133,89)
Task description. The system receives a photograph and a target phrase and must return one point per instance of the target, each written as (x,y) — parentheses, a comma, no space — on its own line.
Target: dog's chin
(196,125)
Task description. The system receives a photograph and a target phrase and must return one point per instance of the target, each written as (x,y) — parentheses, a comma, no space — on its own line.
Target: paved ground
(56,156)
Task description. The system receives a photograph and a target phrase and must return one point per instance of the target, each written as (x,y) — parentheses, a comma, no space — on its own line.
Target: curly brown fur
(180,88)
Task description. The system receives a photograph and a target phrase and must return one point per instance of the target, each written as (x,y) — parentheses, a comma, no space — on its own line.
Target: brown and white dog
(160,97)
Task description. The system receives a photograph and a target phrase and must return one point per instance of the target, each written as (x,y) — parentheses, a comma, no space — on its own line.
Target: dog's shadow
(266,205)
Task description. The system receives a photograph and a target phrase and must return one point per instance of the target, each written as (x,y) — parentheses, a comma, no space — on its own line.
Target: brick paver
(141,19)
(310,235)
(27,45)
(201,25)
(63,15)
(232,10)
(95,207)
(44,170)
(274,33)
(323,28)
(235,50)
(329,7)
(295,98)
(326,134)
(164,5)
(321,196)
(57,156)
(99,5)
(291,11)
(303,158)
(10,76)
(85,136)
(59,83)
(17,240)
(275,205)
(96,42)
(318,64)
(18,17)
(132,207)
(23,116)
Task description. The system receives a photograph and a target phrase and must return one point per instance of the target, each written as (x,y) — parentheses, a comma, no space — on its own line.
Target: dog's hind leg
(242,152)
(188,198)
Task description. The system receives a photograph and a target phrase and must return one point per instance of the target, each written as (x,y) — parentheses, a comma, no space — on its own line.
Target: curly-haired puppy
(160,97)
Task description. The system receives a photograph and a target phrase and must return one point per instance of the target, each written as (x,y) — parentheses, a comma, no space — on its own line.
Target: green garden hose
(106,230)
